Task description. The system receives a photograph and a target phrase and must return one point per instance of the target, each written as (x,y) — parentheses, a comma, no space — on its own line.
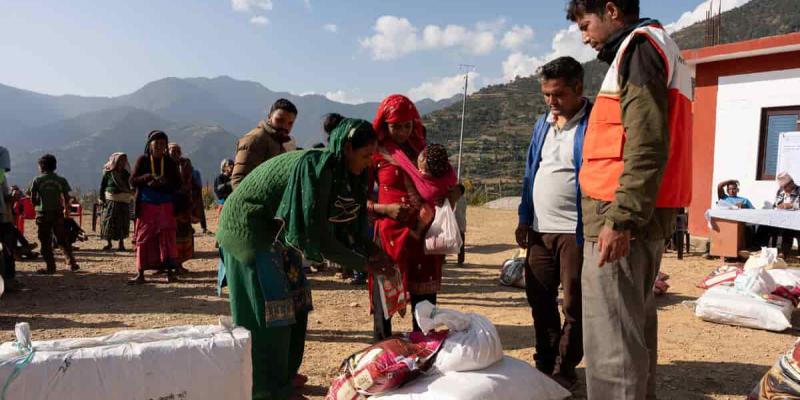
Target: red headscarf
(398,108)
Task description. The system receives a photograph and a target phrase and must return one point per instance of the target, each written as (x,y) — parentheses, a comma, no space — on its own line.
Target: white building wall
(740,99)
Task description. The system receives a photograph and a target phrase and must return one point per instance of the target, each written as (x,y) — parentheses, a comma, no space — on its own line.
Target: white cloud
(395,37)
(344,97)
(247,5)
(331,28)
(517,37)
(689,18)
(566,42)
(444,88)
(520,64)
(259,20)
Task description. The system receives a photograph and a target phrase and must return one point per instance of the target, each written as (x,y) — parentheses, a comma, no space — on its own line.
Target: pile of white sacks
(749,299)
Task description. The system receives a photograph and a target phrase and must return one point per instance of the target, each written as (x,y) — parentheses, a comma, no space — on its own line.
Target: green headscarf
(347,211)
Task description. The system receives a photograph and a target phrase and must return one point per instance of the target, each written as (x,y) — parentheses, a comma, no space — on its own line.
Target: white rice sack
(725,305)
(186,362)
(472,343)
(789,277)
(509,379)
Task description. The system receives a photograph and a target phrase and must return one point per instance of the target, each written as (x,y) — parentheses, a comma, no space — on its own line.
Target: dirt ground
(697,360)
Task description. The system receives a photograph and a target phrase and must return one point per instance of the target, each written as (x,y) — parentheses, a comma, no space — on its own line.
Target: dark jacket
(254,148)
(140,181)
(540,131)
(222,187)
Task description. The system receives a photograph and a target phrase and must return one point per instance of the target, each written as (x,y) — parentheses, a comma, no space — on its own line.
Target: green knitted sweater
(247,221)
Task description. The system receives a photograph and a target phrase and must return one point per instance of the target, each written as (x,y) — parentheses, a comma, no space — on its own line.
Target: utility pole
(467,68)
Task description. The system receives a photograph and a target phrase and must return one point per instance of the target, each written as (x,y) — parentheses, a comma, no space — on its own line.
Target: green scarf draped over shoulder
(346,210)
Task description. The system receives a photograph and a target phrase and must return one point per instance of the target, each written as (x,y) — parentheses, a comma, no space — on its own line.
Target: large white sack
(186,362)
(472,343)
(789,277)
(725,305)
(509,379)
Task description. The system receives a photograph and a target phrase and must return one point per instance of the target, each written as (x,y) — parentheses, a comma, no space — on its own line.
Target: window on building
(774,121)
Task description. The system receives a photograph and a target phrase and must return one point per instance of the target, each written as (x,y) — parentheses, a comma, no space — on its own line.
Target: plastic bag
(721,275)
(513,273)
(766,258)
(472,343)
(384,366)
(725,305)
(444,236)
(755,282)
(392,292)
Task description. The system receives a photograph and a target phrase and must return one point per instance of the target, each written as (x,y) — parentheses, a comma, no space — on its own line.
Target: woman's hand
(397,211)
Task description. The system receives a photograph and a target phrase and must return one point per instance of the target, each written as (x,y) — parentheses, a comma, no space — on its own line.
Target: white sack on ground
(789,277)
(186,362)
(472,343)
(509,379)
(725,305)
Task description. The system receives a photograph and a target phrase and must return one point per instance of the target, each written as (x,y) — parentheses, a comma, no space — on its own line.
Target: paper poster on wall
(789,154)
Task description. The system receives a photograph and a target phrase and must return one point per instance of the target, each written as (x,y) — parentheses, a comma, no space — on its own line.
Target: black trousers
(553,260)
(8,237)
(463,246)
(382,328)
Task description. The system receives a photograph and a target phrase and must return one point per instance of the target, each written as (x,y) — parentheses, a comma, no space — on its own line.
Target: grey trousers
(620,324)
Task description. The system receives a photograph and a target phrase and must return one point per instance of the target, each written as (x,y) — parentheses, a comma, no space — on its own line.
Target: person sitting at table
(787,198)
(731,195)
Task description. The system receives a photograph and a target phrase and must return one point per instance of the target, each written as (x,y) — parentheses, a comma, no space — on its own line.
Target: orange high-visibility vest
(605,136)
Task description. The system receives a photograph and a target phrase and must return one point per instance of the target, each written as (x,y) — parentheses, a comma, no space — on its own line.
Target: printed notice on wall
(789,154)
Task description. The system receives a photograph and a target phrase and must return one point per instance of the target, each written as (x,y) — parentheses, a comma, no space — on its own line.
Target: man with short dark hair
(550,220)
(50,194)
(733,198)
(265,141)
(636,175)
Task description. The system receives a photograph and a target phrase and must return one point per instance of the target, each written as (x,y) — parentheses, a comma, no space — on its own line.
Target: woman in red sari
(401,137)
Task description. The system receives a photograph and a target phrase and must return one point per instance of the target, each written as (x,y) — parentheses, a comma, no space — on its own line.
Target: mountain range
(205,115)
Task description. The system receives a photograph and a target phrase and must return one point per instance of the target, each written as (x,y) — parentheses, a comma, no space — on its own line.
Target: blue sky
(351,51)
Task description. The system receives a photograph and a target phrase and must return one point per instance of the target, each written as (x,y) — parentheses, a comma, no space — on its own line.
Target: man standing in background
(265,141)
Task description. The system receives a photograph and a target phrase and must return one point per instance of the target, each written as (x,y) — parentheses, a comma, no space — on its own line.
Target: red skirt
(155,236)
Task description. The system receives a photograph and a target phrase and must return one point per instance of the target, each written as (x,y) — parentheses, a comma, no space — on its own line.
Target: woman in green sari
(310,203)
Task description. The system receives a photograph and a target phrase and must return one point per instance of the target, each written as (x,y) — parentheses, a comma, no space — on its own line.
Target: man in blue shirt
(550,225)
(732,192)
